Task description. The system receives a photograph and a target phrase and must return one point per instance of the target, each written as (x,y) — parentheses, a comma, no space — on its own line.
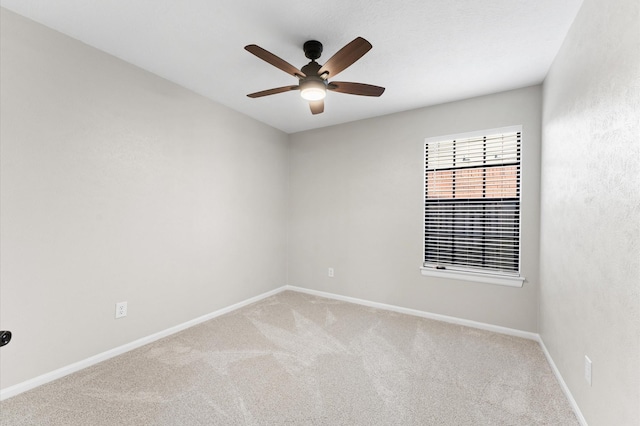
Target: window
(472,206)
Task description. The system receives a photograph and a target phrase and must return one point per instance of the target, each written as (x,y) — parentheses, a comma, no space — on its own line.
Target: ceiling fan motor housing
(312,49)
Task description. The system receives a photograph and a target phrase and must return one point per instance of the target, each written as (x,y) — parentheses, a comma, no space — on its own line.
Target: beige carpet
(295,359)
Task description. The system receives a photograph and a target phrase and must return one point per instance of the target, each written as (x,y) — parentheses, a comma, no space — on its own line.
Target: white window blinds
(472,203)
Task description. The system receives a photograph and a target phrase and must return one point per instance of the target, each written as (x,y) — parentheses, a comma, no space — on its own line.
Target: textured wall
(357,195)
(590,220)
(117,185)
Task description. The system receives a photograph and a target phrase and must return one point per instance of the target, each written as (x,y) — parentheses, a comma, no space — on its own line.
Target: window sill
(470,276)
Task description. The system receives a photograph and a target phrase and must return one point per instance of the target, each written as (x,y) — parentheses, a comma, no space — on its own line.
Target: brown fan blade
(317,107)
(277,62)
(355,88)
(345,57)
(272,91)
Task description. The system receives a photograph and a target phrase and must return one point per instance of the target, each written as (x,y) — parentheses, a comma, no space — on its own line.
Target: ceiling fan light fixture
(313,89)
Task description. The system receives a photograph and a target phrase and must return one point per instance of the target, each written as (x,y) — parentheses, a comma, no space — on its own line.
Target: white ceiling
(425,52)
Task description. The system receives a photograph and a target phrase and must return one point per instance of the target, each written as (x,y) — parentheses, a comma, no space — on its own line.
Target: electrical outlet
(121,309)
(587,369)
(331,273)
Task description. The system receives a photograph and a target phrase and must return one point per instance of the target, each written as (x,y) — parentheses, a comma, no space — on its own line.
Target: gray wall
(356,204)
(119,186)
(590,220)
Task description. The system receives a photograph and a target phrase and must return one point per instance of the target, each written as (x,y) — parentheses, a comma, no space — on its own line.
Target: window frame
(515,279)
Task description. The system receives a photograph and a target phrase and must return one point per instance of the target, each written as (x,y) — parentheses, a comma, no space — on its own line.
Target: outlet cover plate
(121,309)
(587,369)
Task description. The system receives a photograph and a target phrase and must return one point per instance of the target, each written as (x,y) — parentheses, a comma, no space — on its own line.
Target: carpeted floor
(295,359)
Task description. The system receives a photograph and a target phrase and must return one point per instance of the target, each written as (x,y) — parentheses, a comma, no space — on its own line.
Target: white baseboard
(423,314)
(61,372)
(77,366)
(563,384)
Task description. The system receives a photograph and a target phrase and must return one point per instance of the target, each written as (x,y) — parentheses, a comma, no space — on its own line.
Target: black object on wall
(5,337)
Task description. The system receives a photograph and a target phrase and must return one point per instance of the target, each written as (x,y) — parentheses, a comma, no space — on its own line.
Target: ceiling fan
(314,78)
